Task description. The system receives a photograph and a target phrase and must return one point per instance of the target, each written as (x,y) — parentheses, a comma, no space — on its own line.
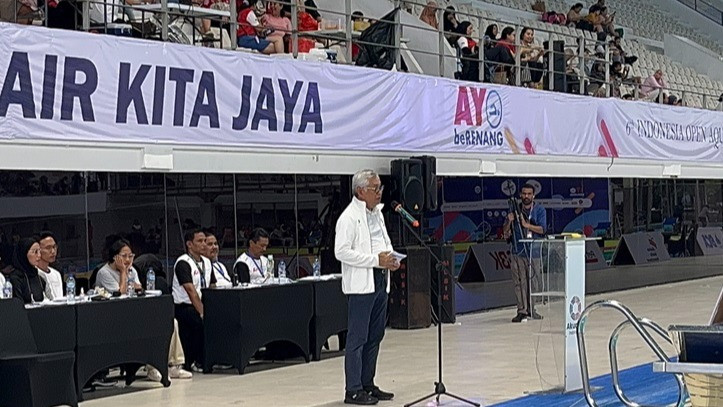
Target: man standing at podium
(364,249)
(531,224)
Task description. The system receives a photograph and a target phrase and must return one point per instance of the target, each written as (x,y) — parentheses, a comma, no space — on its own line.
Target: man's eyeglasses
(377,190)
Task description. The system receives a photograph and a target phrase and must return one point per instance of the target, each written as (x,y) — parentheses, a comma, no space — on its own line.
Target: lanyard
(201,268)
(220,270)
(261,270)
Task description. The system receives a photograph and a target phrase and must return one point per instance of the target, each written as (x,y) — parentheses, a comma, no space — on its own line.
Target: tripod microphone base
(439,391)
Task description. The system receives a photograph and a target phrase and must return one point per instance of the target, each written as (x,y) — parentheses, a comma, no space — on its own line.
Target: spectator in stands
(250,30)
(25,10)
(450,24)
(118,272)
(618,54)
(280,25)
(618,74)
(469,52)
(312,9)
(48,253)
(490,37)
(592,21)
(306,23)
(222,5)
(720,103)
(254,259)
(503,57)
(574,16)
(223,278)
(27,285)
(429,14)
(192,273)
(607,22)
(597,75)
(530,54)
(654,87)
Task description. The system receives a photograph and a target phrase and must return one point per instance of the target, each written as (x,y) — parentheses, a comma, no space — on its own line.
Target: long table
(238,321)
(126,332)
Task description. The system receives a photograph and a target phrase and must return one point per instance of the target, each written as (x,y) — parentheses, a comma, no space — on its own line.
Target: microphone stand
(441,267)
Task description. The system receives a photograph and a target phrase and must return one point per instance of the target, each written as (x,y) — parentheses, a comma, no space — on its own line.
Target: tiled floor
(486,358)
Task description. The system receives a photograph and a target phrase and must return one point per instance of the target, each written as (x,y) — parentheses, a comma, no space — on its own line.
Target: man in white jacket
(364,249)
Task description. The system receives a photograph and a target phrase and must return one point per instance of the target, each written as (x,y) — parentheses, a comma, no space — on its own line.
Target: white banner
(710,241)
(64,85)
(641,248)
(594,259)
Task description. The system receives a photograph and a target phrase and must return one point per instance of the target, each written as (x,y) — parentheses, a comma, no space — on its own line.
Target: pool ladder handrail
(639,324)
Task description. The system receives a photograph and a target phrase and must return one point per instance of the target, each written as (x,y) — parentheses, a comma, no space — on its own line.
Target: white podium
(557,292)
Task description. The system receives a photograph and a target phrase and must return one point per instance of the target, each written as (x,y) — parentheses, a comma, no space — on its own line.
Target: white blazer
(353,248)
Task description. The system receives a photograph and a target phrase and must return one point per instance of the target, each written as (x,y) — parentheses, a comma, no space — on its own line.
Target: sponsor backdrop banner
(63,85)
(710,241)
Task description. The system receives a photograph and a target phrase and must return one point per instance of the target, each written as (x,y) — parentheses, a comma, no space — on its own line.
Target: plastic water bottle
(270,271)
(317,269)
(70,289)
(151,280)
(8,290)
(130,291)
(282,271)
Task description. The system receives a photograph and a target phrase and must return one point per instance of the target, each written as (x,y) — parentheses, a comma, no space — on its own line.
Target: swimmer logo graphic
(575,308)
(477,117)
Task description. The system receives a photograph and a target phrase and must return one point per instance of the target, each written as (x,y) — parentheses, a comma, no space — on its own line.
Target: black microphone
(398,208)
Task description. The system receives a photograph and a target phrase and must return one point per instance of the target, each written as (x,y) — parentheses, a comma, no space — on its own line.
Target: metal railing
(568,62)
(639,325)
(705,9)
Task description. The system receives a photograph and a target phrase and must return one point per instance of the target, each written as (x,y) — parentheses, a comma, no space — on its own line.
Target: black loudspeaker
(329,263)
(429,179)
(409,302)
(446,254)
(559,67)
(407,177)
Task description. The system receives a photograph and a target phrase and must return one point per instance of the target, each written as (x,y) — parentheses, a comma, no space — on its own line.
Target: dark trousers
(367,320)
(190,331)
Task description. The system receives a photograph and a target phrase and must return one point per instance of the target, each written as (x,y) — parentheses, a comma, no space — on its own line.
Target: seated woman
(250,29)
(118,272)
(115,275)
(574,16)
(280,24)
(27,284)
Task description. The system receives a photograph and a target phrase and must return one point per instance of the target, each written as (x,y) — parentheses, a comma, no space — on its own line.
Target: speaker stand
(439,387)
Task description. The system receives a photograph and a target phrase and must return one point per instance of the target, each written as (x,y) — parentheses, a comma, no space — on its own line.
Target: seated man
(192,273)
(223,278)
(257,264)
(48,253)
(653,87)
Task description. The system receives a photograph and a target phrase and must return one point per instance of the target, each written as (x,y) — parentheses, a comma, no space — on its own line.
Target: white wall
(691,17)
(689,53)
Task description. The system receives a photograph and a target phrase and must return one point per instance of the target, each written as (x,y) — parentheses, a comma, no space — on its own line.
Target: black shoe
(535,316)
(378,393)
(360,397)
(520,317)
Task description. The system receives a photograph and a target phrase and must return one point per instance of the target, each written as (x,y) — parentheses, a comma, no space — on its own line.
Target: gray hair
(361,179)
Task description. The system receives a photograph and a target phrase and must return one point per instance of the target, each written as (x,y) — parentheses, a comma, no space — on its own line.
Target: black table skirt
(237,322)
(54,328)
(330,315)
